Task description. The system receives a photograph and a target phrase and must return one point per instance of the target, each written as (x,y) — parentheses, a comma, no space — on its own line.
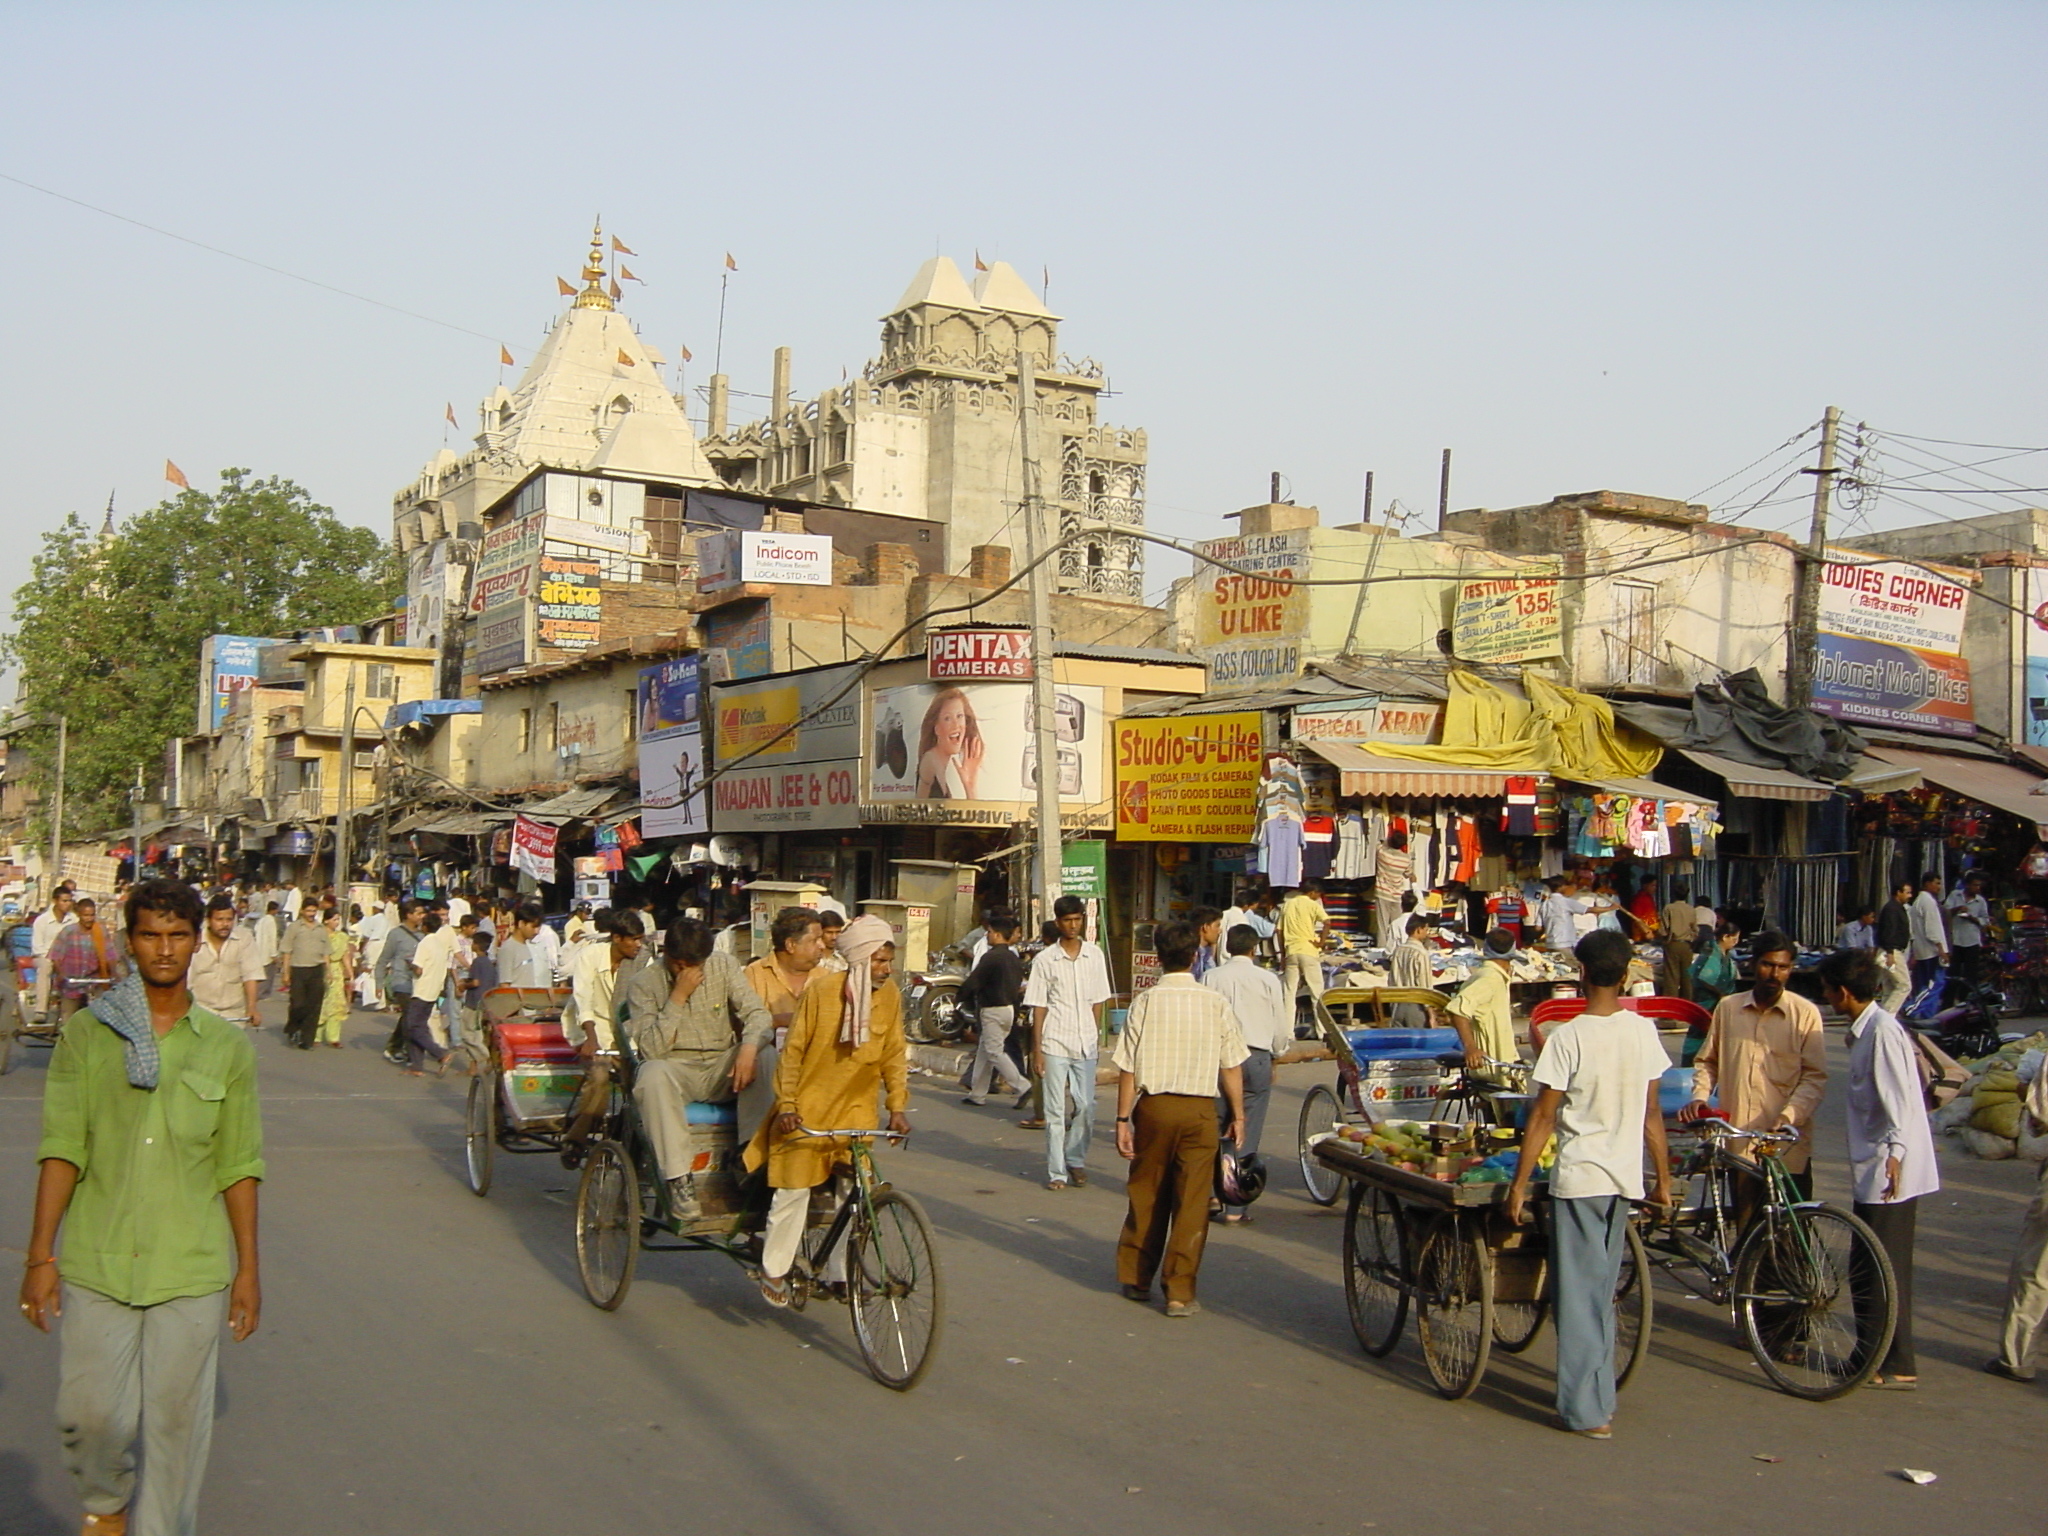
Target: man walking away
(151,1151)
(1069,985)
(1303,922)
(1598,1077)
(1894,938)
(1928,951)
(305,958)
(394,972)
(43,939)
(1179,1046)
(225,976)
(1408,968)
(2026,1291)
(1266,1024)
(1891,1147)
(1681,925)
(994,989)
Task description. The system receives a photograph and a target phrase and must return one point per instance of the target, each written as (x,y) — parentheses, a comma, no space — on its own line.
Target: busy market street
(428,1363)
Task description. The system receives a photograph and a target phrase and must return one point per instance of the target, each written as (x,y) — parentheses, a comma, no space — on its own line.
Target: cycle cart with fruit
(1379,1069)
(1427,1228)
(24,1028)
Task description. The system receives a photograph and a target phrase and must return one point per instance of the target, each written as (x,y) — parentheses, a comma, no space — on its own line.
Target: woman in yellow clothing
(340,976)
(845,1042)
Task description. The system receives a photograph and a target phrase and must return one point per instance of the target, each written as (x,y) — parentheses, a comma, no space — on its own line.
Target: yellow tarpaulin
(1556,730)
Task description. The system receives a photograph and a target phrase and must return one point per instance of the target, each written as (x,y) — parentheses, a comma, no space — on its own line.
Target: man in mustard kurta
(845,1042)
(1766,1058)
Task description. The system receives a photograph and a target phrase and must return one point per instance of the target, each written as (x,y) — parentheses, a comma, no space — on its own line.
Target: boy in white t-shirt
(1598,1078)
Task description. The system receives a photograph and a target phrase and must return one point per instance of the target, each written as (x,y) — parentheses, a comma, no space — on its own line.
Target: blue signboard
(230,663)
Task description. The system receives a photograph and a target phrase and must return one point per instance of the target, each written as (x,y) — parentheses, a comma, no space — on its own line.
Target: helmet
(1240,1176)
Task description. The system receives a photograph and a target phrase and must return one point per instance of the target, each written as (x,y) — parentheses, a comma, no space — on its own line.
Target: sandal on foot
(774,1289)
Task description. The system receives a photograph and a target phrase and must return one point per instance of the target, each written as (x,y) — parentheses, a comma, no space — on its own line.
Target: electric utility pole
(1045,719)
(57,813)
(1805,644)
(344,823)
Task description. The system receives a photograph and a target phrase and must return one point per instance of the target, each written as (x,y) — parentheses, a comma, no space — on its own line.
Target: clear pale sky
(1584,245)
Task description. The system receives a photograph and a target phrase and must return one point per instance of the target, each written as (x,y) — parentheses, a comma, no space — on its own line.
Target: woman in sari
(340,972)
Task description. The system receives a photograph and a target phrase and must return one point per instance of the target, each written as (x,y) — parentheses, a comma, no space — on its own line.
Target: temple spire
(593,295)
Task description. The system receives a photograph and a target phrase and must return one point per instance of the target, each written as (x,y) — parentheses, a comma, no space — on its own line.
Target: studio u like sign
(981,655)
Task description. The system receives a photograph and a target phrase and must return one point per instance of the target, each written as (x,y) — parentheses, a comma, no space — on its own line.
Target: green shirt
(147,1222)
(1484,1001)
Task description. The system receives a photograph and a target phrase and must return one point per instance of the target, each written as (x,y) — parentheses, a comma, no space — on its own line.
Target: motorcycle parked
(932,1014)
(1966,1029)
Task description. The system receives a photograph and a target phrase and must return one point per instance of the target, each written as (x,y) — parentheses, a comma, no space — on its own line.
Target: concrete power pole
(1805,653)
(56,874)
(1045,722)
(135,808)
(344,824)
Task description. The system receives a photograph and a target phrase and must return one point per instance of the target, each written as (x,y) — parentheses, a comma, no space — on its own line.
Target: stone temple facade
(931,429)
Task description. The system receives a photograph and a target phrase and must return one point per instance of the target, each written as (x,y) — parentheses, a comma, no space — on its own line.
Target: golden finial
(593,295)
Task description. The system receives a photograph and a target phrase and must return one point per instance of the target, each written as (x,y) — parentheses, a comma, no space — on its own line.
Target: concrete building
(930,430)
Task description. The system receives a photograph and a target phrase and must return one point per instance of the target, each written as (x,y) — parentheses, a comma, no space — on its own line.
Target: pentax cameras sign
(739,558)
(954,655)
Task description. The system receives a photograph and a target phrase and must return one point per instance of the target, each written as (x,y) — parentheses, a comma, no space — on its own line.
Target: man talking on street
(225,975)
(151,1151)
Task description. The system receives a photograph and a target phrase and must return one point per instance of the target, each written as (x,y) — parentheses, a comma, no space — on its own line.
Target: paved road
(427,1364)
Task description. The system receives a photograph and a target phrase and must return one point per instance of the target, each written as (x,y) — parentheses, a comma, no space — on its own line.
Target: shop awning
(1368,773)
(1643,789)
(1749,782)
(467,824)
(570,805)
(2016,791)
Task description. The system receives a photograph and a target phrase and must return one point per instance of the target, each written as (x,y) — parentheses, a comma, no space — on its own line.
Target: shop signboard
(1084,869)
(739,557)
(426,596)
(570,613)
(1190,778)
(1251,620)
(668,707)
(1891,637)
(1503,619)
(507,563)
(736,642)
(294,844)
(533,848)
(967,754)
(1396,722)
(228,664)
(978,655)
(788,752)
(2032,727)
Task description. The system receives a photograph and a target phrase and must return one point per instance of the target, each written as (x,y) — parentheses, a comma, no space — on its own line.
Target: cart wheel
(895,1289)
(1516,1323)
(480,1133)
(1796,1278)
(1634,1307)
(1319,1112)
(1375,1267)
(607,1224)
(1454,1306)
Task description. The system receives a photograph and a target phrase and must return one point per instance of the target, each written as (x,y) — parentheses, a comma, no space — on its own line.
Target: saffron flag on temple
(622,248)
(627,273)
(979,264)
(451,415)
(616,292)
(176,476)
(567,291)
(505,356)
(730,264)
(625,360)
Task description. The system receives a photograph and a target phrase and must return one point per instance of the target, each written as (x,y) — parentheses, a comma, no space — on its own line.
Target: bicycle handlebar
(868,1134)
(1717,1127)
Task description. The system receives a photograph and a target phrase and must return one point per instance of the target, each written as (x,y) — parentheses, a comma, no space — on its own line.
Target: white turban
(857,945)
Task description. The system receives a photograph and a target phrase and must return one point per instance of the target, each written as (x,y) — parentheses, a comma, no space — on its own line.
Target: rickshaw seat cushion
(527,1040)
(1402,1044)
(711,1114)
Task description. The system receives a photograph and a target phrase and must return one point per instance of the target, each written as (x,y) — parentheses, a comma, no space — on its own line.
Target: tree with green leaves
(107,631)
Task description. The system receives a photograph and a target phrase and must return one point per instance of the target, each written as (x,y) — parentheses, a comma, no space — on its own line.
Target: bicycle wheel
(895,1290)
(1516,1323)
(6,1051)
(1815,1300)
(1634,1306)
(1375,1252)
(1454,1306)
(480,1131)
(607,1224)
(1319,1112)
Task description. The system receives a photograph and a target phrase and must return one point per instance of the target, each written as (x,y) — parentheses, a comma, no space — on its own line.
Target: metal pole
(57,811)
(1443,492)
(135,810)
(344,824)
(1799,665)
(1045,721)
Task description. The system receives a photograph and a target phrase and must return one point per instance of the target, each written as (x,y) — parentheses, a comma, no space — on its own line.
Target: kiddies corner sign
(1192,778)
(1891,637)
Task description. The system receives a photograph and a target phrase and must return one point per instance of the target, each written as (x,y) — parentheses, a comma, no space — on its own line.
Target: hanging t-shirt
(1351,862)
(1319,846)
(1280,845)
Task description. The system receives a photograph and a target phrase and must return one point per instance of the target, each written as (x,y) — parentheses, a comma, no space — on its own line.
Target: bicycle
(1809,1286)
(1488,1094)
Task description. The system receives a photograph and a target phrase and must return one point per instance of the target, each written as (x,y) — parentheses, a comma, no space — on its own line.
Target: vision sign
(978,654)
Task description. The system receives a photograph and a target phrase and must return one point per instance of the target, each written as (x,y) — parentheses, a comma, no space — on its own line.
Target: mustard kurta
(830,1086)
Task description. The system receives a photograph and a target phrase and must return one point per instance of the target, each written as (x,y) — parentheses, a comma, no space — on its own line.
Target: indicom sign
(952,654)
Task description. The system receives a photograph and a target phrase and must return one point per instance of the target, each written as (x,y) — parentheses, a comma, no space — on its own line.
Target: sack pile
(2003,1108)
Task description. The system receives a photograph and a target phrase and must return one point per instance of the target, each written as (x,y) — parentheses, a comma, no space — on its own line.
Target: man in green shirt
(151,1152)
(1481,1012)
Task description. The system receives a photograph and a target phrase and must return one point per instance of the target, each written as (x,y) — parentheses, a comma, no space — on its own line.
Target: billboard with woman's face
(975,743)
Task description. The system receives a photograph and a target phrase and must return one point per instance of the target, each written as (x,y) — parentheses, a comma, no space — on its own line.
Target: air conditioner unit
(366,759)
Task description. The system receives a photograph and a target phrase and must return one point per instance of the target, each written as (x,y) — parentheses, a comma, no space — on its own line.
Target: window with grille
(382,681)
(662,521)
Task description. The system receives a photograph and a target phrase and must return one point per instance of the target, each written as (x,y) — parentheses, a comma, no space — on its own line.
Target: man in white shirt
(522,962)
(43,938)
(263,929)
(458,909)
(1259,1003)
(1969,920)
(224,975)
(294,903)
(1598,1077)
(1928,950)
(372,931)
(1247,914)
(1069,984)
(605,963)
(1559,913)
(549,943)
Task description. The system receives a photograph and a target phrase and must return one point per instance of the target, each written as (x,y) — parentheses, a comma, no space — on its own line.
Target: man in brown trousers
(1179,1048)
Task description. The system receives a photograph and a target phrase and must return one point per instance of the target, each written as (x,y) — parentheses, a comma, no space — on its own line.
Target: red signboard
(985,654)
(533,848)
